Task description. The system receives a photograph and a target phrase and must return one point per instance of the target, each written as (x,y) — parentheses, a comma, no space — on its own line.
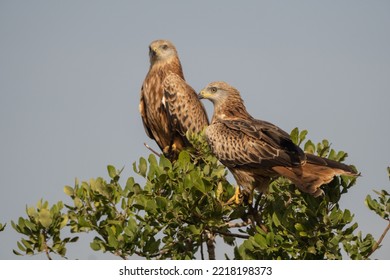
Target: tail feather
(316,172)
(342,169)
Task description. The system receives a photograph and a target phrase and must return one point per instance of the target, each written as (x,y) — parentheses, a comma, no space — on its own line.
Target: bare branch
(376,245)
(238,224)
(210,242)
(227,233)
(201,247)
(152,150)
(46,247)
(158,254)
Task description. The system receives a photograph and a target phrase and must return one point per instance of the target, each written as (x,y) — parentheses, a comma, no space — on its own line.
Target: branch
(151,149)
(378,243)
(155,255)
(227,233)
(47,251)
(210,242)
(201,247)
(239,224)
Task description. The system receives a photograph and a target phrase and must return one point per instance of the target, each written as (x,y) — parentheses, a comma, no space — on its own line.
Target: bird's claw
(237,198)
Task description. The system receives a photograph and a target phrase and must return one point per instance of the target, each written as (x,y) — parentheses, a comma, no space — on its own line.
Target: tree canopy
(180,210)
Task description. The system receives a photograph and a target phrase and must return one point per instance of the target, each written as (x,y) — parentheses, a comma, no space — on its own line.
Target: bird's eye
(164,47)
(213,89)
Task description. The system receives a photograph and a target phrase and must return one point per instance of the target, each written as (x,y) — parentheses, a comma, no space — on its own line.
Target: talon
(170,150)
(166,150)
(236,198)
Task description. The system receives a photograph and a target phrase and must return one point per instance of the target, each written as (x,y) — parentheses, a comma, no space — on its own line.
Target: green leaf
(184,159)
(275,219)
(194,229)
(95,245)
(309,147)
(311,250)
(165,163)
(44,218)
(28,244)
(74,239)
(20,246)
(196,181)
(161,202)
(303,233)
(299,227)
(78,202)
(142,166)
(372,204)
(294,135)
(347,217)
(69,191)
(152,160)
(261,241)
(129,184)
(64,221)
(112,239)
(111,171)
(17,253)
(31,212)
(302,136)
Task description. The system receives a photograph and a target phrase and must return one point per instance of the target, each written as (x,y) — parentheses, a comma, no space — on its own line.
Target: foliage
(180,210)
(43,227)
(167,218)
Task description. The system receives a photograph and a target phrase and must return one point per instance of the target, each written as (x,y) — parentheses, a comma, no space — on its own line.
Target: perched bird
(169,107)
(256,151)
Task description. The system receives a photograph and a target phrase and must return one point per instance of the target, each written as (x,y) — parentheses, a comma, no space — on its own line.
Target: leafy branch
(180,209)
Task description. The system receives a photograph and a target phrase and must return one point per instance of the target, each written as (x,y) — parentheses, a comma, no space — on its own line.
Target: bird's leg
(250,197)
(236,198)
(171,148)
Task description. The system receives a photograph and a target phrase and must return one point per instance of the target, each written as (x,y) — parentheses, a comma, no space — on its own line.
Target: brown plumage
(169,107)
(256,151)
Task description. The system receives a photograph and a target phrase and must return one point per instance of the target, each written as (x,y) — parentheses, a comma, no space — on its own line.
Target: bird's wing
(253,143)
(184,109)
(142,110)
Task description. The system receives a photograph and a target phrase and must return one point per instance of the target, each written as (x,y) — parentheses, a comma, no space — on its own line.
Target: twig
(201,247)
(155,255)
(227,233)
(239,224)
(376,245)
(151,149)
(46,247)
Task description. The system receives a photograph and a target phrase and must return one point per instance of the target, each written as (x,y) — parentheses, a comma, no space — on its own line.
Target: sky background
(71,73)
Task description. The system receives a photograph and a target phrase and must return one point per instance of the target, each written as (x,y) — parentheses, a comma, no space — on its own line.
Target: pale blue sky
(71,72)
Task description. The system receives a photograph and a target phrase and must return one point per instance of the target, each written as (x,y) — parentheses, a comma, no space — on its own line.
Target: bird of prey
(169,107)
(256,151)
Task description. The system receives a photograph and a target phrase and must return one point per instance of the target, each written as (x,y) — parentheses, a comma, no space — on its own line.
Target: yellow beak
(202,94)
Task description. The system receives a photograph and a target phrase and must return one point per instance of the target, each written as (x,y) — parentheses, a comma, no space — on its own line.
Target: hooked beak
(201,95)
(152,53)
(204,94)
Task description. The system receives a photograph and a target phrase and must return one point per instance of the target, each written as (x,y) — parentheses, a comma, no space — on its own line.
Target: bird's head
(161,50)
(226,99)
(218,92)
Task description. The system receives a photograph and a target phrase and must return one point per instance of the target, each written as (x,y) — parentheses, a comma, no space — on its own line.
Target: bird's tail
(314,173)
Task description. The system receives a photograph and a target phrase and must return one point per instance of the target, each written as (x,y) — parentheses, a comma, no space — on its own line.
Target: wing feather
(184,109)
(253,142)
(142,110)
